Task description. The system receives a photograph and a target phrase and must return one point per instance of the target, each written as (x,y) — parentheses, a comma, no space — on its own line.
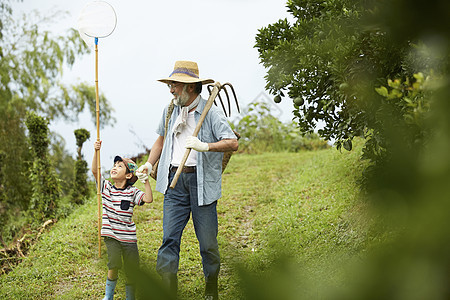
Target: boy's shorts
(117,250)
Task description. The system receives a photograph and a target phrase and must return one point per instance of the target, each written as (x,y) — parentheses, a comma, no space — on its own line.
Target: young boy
(118,228)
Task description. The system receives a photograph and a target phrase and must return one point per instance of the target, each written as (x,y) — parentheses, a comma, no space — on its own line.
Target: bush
(262,132)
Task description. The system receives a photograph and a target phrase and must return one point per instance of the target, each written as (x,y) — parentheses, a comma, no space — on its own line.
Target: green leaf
(383,91)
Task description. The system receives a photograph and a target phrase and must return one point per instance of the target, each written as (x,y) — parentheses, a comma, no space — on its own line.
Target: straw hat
(185,72)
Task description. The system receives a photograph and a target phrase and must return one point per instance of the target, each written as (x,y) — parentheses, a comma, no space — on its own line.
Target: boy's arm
(148,198)
(94,168)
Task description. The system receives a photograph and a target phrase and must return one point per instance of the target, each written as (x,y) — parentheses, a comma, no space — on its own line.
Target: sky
(149,37)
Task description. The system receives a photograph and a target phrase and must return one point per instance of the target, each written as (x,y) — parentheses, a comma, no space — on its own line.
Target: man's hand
(143,171)
(194,143)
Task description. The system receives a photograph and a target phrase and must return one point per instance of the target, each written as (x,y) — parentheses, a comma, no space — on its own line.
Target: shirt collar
(201,105)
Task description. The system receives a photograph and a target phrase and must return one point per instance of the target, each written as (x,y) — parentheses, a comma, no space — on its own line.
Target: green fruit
(299,101)
(277,99)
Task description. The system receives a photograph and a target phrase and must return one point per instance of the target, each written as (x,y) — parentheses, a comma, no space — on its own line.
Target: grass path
(304,205)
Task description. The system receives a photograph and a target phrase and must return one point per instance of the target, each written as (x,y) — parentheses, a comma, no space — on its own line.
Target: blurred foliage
(336,52)
(45,183)
(262,132)
(62,161)
(377,69)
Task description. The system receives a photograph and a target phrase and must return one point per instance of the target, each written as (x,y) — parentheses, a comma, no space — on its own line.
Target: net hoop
(97,19)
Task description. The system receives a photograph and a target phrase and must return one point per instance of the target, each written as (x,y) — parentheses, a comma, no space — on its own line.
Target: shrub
(44,181)
(80,188)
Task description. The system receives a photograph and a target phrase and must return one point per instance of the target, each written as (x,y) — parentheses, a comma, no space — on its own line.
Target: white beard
(183,98)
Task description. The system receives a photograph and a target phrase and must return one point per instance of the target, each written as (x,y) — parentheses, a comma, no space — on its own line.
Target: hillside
(278,210)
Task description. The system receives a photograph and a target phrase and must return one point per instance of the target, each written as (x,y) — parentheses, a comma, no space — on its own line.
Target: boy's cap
(131,167)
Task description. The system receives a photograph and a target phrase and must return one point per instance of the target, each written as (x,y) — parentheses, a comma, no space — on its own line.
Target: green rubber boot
(211,290)
(130,292)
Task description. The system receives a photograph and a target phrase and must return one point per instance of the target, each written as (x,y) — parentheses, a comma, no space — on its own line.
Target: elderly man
(199,186)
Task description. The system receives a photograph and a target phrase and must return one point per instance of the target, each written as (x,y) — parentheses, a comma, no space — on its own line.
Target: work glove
(194,143)
(143,171)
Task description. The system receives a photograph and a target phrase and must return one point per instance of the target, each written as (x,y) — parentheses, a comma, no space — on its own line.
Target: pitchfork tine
(221,102)
(209,86)
(228,99)
(223,87)
(234,94)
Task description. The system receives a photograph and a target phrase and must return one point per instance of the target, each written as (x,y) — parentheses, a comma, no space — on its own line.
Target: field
(287,221)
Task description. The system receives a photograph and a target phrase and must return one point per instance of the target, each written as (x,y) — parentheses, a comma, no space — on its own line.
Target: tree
(393,85)
(331,59)
(32,61)
(44,181)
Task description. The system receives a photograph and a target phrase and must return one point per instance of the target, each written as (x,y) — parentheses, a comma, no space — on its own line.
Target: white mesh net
(97,19)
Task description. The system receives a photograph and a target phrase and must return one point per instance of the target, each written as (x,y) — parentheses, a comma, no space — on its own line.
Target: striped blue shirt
(215,127)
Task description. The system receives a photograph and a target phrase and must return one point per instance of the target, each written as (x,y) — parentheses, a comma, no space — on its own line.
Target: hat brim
(185,79)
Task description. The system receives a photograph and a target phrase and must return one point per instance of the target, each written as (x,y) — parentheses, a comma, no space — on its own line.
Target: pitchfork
(223,88)
(216,89)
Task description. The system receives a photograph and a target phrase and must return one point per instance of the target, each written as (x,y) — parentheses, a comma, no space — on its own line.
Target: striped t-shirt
(118,204)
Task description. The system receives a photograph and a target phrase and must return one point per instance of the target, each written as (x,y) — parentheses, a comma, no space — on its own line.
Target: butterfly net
(97,20)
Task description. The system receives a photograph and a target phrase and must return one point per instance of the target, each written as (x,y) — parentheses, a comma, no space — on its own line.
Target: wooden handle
(97,152)
(208,105)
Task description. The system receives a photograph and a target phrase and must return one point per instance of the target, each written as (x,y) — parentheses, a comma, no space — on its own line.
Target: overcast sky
(149,37)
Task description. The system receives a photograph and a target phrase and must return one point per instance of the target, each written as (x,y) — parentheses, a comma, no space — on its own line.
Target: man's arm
(143,172)
(155,153)
(224,145)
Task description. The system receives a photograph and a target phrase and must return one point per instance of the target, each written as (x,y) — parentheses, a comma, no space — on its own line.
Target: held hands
(143,171)
(194,143)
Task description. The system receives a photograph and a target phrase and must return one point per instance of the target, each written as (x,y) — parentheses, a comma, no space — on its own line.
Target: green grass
(302,210)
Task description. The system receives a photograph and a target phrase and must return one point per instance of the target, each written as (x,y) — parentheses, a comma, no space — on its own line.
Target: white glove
(194,143)
(143,171)
(142,177)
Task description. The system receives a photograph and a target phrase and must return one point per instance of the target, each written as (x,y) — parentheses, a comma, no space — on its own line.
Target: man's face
(179,91)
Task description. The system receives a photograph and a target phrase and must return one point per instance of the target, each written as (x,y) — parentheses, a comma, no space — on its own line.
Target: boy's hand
(142,177)
(97,145)
(143,172)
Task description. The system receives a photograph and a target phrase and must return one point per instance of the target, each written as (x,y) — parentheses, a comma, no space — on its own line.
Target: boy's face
(119,171)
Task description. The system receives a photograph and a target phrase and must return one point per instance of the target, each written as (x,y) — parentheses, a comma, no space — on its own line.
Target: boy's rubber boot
(109,289)
(130,292)
(211,290)
(170,280)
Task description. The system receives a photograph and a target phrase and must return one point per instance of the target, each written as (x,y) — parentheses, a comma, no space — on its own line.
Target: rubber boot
(170,280)
(211,291)
(130,292)
(109,289)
